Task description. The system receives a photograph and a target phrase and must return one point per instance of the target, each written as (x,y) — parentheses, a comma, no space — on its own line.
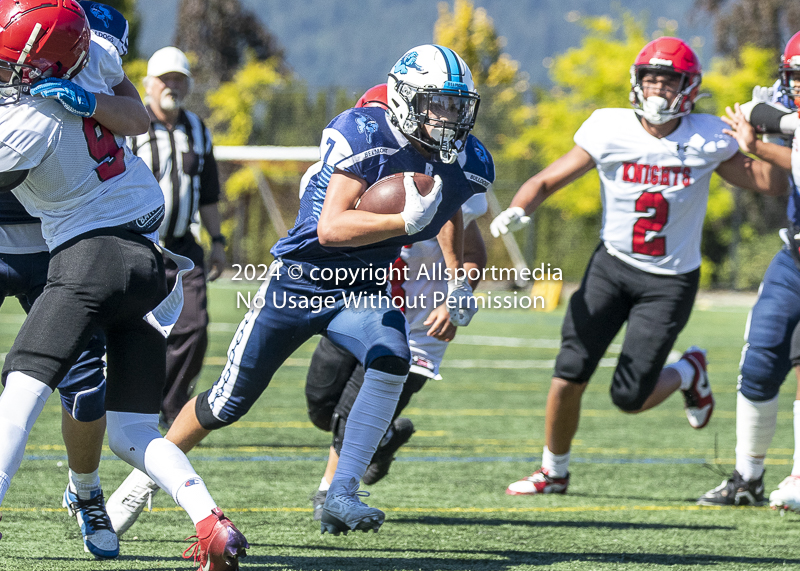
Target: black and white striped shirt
(182,160)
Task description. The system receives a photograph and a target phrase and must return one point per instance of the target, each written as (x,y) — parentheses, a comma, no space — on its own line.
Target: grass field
(631,503)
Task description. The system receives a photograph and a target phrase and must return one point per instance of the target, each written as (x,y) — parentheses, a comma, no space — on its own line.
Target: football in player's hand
(388,195)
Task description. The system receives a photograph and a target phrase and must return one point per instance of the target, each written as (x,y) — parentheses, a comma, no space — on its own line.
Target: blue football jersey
(363,142)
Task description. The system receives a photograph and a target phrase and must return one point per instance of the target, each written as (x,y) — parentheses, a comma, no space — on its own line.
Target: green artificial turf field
(631,502)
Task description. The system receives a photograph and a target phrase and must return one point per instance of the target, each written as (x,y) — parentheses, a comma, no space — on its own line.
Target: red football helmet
(40,38)
(790,65)
(374,97)
(666,55)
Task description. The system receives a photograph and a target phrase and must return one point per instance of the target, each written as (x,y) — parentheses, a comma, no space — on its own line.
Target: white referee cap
(166,60)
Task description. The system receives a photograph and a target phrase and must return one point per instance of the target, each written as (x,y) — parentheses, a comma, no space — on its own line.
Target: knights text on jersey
(364,143)
(654,191)
(82,177)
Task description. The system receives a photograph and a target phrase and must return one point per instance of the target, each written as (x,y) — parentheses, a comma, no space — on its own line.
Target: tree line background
(249,96)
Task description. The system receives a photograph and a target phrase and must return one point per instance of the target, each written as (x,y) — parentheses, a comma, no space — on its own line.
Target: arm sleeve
(766,118)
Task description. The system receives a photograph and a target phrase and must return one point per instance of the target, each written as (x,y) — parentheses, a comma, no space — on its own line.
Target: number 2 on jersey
(104,149)
(653,223)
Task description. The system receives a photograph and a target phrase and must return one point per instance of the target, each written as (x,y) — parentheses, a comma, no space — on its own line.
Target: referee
(177,148)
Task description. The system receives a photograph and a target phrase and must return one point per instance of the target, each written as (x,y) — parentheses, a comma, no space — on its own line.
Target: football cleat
(219,544)
(399,433)
(698,400)
(128,501)
(99,538)
(343,511)
(317,502)
(787,496)
(735,491)
(539,483)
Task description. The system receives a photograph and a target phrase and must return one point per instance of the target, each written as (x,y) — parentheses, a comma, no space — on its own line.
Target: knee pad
(391,365)
(322,417)
(86,405)
(627,400)
(761,373)
(338,423)
(758,388)
(129,435)
(204,415)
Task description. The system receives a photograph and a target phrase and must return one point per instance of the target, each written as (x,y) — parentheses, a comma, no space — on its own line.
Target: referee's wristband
(219,240)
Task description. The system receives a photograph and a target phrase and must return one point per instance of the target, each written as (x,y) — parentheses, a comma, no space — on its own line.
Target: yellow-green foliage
(470,32)
(594,75)
(234,104)
(136,69)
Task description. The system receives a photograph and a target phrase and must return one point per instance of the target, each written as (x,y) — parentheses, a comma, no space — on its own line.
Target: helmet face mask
(11,85)
(669,57)
(432,99)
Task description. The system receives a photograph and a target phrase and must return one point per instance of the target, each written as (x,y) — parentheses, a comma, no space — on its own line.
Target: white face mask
(653,110)
(169,100)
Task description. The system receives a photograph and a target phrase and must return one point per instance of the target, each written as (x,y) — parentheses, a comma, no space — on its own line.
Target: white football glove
(419,210)
(461,304)
(509,220)
(763,94)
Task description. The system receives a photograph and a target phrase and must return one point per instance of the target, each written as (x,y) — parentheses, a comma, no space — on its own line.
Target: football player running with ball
(655,162)
(433,104)
(772,335)
(335,376)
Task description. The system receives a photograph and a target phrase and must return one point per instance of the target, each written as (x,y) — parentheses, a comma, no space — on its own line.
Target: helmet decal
(481,152)
(366,126)
(407,61)
(102,13)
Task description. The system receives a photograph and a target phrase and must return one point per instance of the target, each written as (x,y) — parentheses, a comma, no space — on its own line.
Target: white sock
(21,403)
(755,427)
(84,484)
(796,415)
(367,423)
(557,465)
(685,370)
(135,438)
(324,486)
(193,496)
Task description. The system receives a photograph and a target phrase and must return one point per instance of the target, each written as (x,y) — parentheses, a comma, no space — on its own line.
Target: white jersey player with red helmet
(100,207)
(655,162)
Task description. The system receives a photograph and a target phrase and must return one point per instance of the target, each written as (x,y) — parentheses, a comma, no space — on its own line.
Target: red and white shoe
(698,400)
(219,544)
(539,483)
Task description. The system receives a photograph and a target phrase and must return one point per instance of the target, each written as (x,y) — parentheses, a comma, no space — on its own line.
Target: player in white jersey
(111,98)
(99,206)
(655,162)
